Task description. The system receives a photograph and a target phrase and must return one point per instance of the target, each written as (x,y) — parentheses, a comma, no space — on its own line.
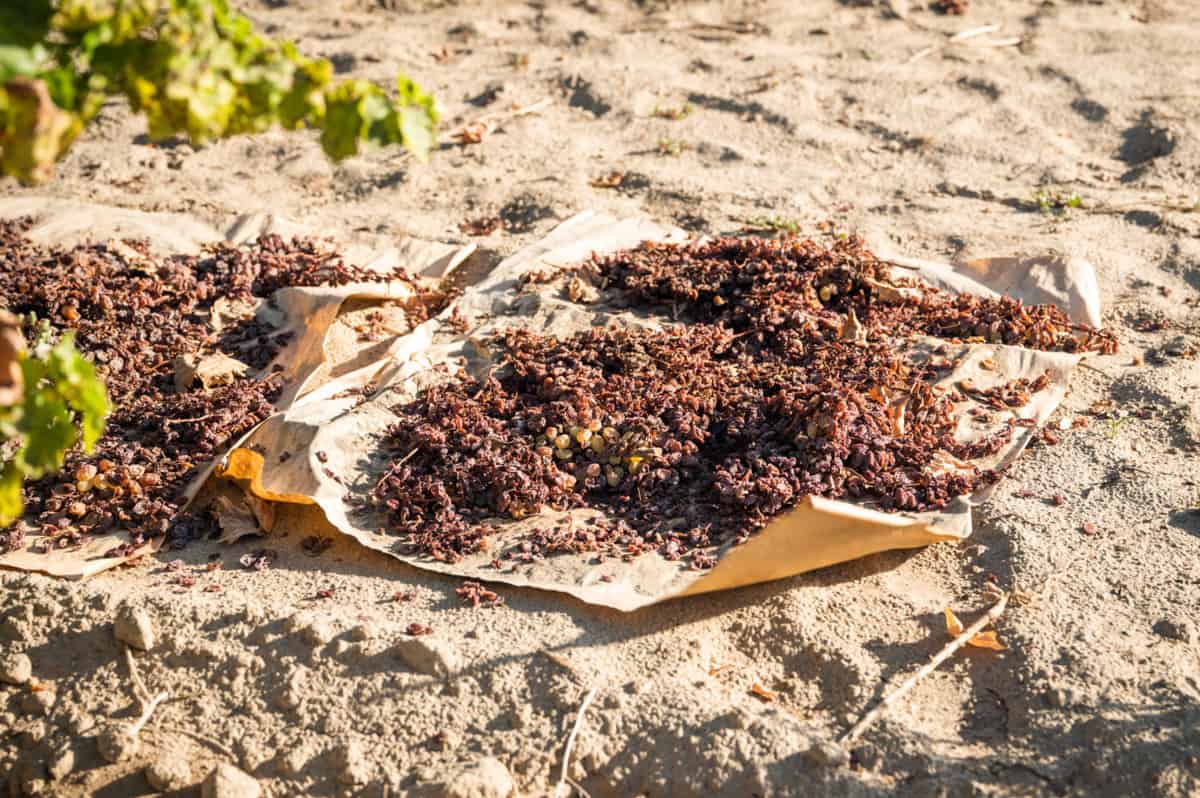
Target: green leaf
(47,429)
(417,132)
(190,66)
(16,61)
(76,382)
(10,493)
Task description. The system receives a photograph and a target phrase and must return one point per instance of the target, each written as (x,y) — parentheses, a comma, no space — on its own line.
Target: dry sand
(807,111)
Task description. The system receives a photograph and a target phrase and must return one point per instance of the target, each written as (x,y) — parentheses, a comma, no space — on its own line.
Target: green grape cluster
(49,401)
(192,67)
(596,450)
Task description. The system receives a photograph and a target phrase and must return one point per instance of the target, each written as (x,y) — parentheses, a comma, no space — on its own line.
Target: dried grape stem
(928,668)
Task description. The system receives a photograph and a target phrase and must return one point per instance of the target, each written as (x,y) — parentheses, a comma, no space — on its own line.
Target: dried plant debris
(135,316)
(696,435)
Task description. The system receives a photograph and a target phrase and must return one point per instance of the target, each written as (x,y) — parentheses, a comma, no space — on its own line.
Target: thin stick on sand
(563,780)
(928,668)
(962,36)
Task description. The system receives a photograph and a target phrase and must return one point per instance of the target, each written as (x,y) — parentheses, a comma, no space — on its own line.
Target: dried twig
(120,741)
(139,687)
(147,710)
(579,788)
(148,703)
(965,35)
(564,783)
(928,668)
(474,132)
(212,742)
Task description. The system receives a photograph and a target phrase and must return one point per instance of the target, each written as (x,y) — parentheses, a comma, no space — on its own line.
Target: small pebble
(39,702)
(15,669)
(319,633)
(826,753)
(172,770)
(486,778)
(426,654)
(362,632)
(81,724)
(226,781)
(134,628)
(116,744)
(62,762)
(353,767)
(292,763)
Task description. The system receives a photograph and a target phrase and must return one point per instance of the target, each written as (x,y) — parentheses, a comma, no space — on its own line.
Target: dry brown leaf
(610,180)
(483,226)
(473,133)
(887,292)
(758,691)
(212,370)
(717,670)
(580,290)
(236,520)
(896,412)
(987,639)
(852,330)
(953,624)
(982,640)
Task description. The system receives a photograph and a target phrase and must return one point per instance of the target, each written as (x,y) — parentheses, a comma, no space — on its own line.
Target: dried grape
(712,426)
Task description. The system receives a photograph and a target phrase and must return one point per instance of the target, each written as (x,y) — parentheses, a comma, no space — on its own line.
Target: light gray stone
(171,770)
(486,778)
(15,669)
(226,781)
(134,628)
(427,654)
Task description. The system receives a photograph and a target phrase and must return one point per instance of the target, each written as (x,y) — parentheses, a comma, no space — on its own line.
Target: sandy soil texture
(851,116)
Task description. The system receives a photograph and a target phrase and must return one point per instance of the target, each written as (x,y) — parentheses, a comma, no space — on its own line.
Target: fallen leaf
(987,640)
(473,133)
(212,370)
(132,258)
(758,691)
(236,520)
(887,292)
(852,330)
(953,624)
(581,291)
(717,670)
(483,226)
(610,180)
(982,640)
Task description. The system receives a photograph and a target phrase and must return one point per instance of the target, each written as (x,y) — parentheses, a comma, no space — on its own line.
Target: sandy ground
(814,112)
